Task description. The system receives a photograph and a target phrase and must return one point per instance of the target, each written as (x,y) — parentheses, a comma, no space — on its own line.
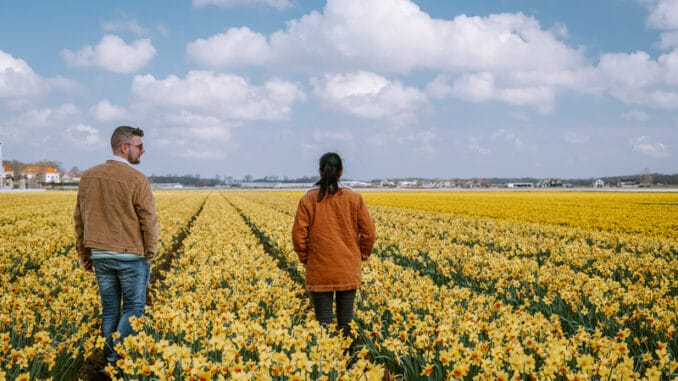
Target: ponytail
(330,171)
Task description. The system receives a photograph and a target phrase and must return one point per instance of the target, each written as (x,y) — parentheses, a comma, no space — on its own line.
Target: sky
(399,88)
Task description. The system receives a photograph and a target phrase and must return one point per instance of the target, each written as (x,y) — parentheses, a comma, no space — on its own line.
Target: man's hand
(86,264)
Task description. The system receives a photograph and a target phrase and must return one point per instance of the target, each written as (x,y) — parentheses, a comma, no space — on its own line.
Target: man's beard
(136,160)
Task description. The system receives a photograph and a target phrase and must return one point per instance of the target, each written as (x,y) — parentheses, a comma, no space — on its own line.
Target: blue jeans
(120,280)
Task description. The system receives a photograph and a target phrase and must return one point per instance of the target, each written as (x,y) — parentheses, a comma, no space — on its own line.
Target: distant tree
(75,170)
(646,177)
(17,167)
(50,163)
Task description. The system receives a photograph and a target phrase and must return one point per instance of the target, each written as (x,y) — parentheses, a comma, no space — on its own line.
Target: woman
(332,234)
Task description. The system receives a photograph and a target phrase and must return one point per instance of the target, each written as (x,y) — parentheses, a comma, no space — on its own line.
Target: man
(117,233)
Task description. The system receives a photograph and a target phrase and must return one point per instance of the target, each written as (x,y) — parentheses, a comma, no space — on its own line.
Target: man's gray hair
(124,134)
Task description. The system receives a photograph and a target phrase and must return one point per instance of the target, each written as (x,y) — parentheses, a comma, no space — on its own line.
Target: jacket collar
(118,158)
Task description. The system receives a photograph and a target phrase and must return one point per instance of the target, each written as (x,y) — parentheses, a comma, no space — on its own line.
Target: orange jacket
(332,237)
(115,211)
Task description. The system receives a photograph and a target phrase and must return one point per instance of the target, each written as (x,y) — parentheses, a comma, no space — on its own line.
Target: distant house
(6,175)
(356,184)
(407,184)
(281,185)
(42,174)
(167,185)
(386,184)
(628,183)
(71,177)
(598,183)
(550,183)
(30,172)
(520,185)
(51,175)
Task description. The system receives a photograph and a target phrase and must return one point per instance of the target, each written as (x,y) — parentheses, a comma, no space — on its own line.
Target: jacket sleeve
(300,231)
(366,230)
(83,252)
(148,220)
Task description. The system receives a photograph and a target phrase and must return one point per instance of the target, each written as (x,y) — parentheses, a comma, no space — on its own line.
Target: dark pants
(322,305)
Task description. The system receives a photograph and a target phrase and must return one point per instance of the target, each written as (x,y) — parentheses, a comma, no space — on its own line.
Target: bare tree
(646,178)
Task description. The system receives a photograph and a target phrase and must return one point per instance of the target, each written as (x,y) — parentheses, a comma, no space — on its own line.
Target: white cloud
(409,139)
(668,40)
(511,138)
(84,136)
(113,54)
(507,58)
(17,79)
(637,79)
(636,115)
(661,99)
(368,95)
(473,144)
(423,141)
(236,47)
(575,137)
(123,26)
(475,87)
(106,112)
(664,15)
(528,63)
(46,117)
(628,71)
(33,126)
(668,64)
(482,87)
(195,136)
(323,135)
(278,4)
(507,41)
(220,95)
(649,148)
(396,36)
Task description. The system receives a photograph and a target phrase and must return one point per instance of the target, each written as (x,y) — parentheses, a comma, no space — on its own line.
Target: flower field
(461,285)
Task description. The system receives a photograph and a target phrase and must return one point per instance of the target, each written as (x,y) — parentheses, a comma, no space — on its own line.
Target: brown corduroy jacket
(332,237)
(115,211)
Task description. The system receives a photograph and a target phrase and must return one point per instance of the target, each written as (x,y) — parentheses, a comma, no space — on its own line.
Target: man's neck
(121,159)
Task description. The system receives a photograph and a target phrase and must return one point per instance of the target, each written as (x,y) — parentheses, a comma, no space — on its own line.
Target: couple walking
(117,232)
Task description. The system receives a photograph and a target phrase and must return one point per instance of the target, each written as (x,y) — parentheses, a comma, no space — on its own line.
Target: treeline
(186,180)
(645,178)
(197,181)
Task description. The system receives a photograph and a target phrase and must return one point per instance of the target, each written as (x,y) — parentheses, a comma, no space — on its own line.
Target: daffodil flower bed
(227,311)
(49,309)
(461,285)
(537,300)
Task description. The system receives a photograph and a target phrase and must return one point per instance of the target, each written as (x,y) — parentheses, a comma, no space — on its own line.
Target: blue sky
(446,89)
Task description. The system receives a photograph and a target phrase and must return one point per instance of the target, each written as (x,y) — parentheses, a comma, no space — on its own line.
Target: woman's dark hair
(330,171)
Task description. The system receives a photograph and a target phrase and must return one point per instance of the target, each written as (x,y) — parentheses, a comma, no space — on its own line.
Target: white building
(520,185)
(599,183)
(6,173)
(2,169)
(42,174)
(51,175)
